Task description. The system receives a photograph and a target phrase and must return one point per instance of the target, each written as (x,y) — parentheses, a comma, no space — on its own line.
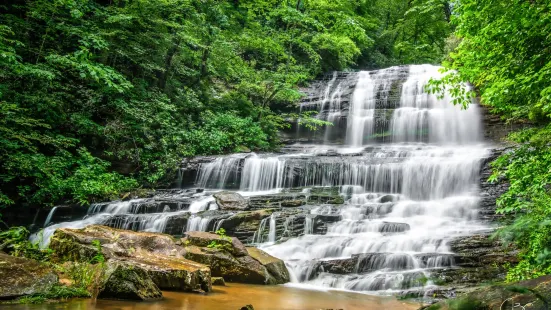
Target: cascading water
(408,168)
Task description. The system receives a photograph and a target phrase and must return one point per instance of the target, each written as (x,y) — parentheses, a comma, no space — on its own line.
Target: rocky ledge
(138,265)
(531,294)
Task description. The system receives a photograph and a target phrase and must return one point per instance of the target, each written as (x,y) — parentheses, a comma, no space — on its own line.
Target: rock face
(231,201)
(122,280)
(22,276)
(519,295)
(227,257)
(157,255)
(477,259)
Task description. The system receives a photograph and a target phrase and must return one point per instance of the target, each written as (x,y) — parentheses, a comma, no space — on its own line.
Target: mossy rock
(204,239)
(242,269)
(159,255)
(21,276)
(123,280)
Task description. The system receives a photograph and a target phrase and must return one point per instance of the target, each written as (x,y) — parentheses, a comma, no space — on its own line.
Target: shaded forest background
(101,97)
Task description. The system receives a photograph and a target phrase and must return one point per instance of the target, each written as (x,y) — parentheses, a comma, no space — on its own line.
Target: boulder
(243,225)
(218,281)
(174,274)
(22,276)
(276,267)
(124,280)
(255,267)
(231,201)
(158,255)
(204,239)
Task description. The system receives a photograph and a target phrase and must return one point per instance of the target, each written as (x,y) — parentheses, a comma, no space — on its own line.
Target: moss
(467,303)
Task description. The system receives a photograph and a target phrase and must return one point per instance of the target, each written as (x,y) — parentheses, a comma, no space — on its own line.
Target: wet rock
(228,258)
(276,267)
(478,259)
(293,203)
(22,276)
(340,266)
(123,280)
(231,201)
(218,281)
(243,225)
(158,255)
(388,198)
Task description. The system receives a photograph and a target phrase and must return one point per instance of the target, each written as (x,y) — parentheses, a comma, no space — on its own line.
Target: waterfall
(308,225)
(409,191)
(272,230)
(257,237)
(406,163)
(198,223)
(49,217)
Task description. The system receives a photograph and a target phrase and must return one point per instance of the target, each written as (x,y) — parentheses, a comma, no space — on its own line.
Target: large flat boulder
(76,244)
(174,274)
(231,201)
(21,276)
(158,255)
(125,280)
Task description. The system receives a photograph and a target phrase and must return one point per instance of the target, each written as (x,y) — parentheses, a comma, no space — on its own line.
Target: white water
(132,215)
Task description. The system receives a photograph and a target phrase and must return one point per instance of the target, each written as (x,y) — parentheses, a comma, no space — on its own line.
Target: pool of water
(235,296)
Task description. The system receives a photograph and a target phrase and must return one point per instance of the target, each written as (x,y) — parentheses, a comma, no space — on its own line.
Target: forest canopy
(99,97)
(504,50)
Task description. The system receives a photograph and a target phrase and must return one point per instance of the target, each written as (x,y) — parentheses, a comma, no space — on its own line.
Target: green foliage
(98,257)
(502,48)
(527,201)
(226,245)
(504,52)
(56,292)
(15,241)
(467,303)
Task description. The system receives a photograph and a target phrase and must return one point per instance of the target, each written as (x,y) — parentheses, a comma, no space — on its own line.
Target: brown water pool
(234,296)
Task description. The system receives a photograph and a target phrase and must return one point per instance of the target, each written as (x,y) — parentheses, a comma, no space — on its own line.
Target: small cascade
(257,237)
(198,223)
(49,217)
(308,225)
(153,215)
(272,230)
